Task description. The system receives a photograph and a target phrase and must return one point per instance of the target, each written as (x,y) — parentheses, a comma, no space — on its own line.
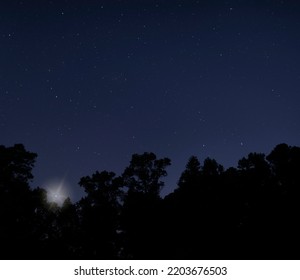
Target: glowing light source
(57,192)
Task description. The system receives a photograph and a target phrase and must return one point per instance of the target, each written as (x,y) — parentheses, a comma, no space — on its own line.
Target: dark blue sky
(85,84)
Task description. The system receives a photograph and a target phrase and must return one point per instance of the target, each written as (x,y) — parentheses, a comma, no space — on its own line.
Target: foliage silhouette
(140,216)
(248,212)
(15,174)
(98,213)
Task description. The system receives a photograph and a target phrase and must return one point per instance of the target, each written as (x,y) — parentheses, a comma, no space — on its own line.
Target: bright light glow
(57,192)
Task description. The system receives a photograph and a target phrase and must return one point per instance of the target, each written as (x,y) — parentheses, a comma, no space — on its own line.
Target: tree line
(248,212)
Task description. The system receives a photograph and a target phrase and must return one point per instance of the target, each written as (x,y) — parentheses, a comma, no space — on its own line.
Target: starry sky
(85,84)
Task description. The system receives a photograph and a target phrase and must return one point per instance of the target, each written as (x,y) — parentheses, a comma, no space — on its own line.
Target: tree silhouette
(285,165)
(15,174)
(248,212)
(144,173)
(140,217)
(179,212)
(195,205)
(98,213)
(191,176)
(212,168)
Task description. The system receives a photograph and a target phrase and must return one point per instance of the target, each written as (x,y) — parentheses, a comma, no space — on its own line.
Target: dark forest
(248,212)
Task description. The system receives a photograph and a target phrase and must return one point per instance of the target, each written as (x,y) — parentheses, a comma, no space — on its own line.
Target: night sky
(85,84)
